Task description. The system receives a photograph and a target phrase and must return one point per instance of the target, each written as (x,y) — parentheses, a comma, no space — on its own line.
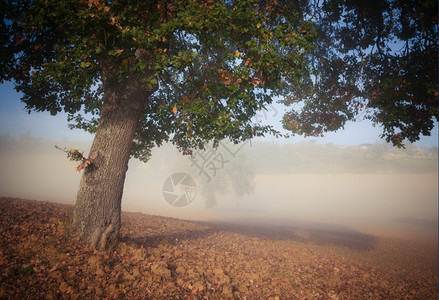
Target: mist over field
(367,187)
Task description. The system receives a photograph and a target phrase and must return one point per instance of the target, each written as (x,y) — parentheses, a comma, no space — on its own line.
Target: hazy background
(349,177)
(367,187)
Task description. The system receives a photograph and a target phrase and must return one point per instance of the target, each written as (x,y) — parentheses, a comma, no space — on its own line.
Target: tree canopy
(214,64)
(376,60)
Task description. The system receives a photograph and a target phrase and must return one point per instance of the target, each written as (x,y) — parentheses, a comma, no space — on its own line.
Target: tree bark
(96,219)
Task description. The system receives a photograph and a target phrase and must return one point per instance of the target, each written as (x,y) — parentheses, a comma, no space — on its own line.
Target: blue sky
(15,121)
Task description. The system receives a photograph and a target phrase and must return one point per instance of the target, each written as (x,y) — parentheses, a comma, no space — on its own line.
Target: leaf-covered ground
(165,258)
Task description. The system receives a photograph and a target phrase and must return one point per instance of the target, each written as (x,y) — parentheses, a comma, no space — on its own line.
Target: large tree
(194,71)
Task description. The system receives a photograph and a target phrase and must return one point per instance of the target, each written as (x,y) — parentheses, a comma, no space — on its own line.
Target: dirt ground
(167,258)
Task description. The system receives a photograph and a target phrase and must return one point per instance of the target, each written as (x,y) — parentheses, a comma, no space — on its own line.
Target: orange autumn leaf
(174,110)
(226,77)
(255,81)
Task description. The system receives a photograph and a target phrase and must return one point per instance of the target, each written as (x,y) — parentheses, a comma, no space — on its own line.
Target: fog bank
(366,187)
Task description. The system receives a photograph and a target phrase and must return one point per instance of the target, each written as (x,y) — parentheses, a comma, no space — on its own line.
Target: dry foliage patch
(165,258)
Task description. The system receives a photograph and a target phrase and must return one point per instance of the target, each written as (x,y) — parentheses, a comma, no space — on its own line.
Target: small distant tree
(235,180)
(194,71)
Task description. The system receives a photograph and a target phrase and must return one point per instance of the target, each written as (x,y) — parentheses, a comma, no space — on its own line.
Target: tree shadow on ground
(267,229)
(419,222)
(301,231)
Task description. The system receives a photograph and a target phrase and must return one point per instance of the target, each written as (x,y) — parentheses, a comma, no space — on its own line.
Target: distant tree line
(310,157)
(273,158)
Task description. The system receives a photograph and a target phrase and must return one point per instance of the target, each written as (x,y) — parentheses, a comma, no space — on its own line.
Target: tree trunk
(96,219)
